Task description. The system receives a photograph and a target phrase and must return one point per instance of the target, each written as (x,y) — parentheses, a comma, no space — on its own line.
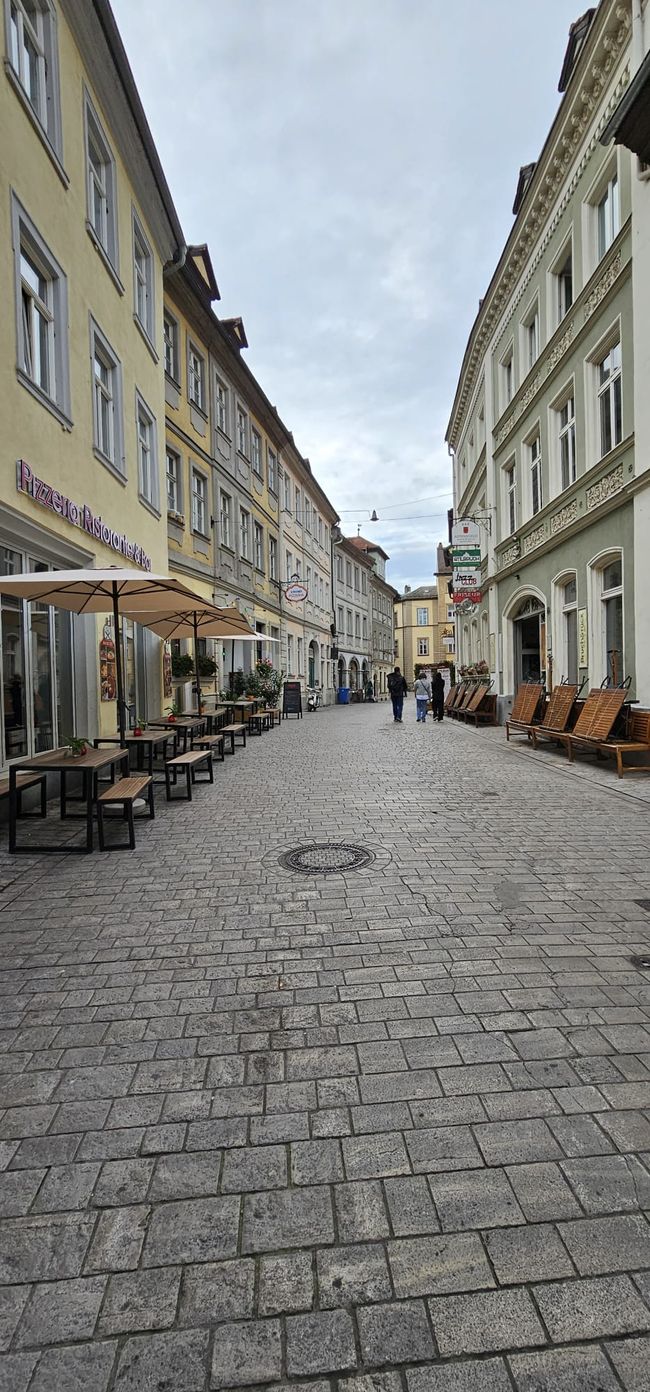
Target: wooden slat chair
(124,793)
(475,698)
(595,721)
(524,706)
(556,716)
(464,701)
(450,697)
(482,709)
(458,696)
(636,741)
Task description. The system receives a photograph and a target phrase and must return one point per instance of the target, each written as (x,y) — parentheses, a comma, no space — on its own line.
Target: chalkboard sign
(291,700)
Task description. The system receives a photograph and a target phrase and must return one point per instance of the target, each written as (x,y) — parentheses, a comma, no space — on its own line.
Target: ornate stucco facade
(543,422)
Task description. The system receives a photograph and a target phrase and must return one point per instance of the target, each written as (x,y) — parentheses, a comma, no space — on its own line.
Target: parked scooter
(313,698)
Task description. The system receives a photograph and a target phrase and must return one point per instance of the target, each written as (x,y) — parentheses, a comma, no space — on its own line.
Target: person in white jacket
(422,696)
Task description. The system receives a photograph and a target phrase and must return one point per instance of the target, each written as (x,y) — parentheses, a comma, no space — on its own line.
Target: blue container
(343,696)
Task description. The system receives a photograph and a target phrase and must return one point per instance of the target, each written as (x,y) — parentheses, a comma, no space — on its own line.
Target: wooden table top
(60,759)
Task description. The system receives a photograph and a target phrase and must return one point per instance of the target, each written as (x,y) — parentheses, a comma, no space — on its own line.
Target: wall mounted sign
(295,591)
(107,674)
(466,555)
(583,649)
(78,514)
(465,532)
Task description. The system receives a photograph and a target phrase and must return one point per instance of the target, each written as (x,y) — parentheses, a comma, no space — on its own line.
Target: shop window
(37,668)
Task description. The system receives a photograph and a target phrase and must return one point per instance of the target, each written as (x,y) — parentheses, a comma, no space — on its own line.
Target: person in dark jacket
(398,689)
(438,696)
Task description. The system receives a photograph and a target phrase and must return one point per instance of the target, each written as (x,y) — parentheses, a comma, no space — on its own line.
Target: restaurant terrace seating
(556,716)
(524,706)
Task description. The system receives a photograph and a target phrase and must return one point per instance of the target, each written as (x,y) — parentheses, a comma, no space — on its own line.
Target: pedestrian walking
(438,696)
(398,689)
(422,698)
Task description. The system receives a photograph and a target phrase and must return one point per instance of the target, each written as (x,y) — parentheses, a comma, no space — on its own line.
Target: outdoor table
(243,707)
(216,717)
(183,726)
(59,761)
(150,740)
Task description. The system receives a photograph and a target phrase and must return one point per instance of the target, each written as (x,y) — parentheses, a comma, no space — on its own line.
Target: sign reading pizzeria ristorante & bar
(78,514)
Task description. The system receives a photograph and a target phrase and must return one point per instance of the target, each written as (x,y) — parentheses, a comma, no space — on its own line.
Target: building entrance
(529,629)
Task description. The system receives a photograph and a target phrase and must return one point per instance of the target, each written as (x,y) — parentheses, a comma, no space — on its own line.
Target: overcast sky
(352,166)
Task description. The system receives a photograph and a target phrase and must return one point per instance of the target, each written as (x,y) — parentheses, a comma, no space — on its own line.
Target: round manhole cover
(330,858)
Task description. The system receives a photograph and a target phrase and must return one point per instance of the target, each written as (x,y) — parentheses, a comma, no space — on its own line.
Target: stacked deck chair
(524,707)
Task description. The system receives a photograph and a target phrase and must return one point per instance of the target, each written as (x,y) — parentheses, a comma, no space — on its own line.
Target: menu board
(291,699)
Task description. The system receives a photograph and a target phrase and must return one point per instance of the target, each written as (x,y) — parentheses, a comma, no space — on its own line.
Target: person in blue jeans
(422,698)
(398,689)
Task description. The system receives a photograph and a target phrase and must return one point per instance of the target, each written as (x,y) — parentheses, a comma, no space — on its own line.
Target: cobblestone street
(386,1131)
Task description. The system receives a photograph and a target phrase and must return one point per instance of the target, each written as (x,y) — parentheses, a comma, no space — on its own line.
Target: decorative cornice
(511,554)
(564,517)
(533,539)
(578,116)
(604,284)
(605,488)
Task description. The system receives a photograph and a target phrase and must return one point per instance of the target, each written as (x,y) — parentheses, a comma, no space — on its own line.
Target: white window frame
(340,628)
(608,215)
(143,279)
(598,656)
(594,248)
(339,569)
(147,454)
(171,347)
(507,387)
(562,609)
(422,622)
(111,393)
(610,389)
(101,186)
(289,561)
(242,431)
(222,406)
(530,337)
(44,105)
(271,470)
(301,657)
(195,377)
(298,501)
(307,515)
(244,534)
(287,493)
(510,509)
(273,557)
(564,438)
(423,647)
(559,302)
(174,496)
(27,240)
(258,545)
(199,502)
(535,476)
(256,452)
(225,520)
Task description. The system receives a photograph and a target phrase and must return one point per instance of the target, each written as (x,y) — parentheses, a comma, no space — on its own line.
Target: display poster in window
(291,699)
(167,671)
(107,671)
(583,650)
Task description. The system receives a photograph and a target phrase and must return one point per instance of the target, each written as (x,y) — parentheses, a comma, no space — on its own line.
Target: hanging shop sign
(78,514)
(583,655)
(466,555)
(295,591)
(467,578)
(107,672)
(465,532)
(474,596)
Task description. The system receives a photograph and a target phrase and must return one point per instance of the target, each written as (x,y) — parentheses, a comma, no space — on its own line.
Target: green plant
(237,683)
(77,744)
(174,709)
(182,665)
(268,681)
(207,665)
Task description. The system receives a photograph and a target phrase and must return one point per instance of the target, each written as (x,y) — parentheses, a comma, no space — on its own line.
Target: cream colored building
(87,224)
(423,628)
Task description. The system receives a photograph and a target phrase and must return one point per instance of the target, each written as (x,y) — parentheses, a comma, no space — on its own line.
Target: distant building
(424,627)
(381,616)
(352,570)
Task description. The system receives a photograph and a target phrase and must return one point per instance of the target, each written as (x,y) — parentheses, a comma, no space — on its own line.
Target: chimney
(407,589)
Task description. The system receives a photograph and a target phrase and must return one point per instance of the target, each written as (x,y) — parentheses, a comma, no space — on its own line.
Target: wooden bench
(232,731)
(524,706)
(125,793)
(213,742)
(555,719)
(258,722)
(636,741)
(274,714)
(188,762)
(24,781)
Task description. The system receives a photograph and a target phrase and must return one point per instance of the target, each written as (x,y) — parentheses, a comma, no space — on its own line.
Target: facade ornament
(604,284)
(560,348)
(511,554)
(533,539)
(564,517)
(606,487)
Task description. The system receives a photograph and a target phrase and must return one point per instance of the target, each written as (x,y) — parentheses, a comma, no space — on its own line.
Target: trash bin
(343,696)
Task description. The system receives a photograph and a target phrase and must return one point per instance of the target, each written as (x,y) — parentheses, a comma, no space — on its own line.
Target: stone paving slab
(377,1131)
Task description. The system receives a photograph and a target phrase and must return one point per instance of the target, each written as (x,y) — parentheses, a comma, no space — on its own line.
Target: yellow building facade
(86,225)
(423,628)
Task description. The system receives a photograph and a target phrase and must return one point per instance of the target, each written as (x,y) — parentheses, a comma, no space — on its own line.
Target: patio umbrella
(129,592)
(193,621)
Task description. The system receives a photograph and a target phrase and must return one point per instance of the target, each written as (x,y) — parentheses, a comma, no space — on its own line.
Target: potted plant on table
(76,746)
(139,725)
(173,711)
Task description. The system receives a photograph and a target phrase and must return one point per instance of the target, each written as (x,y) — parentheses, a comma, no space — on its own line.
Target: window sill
(204,536)
(63,418)
(223,435)
(196,407)
(40,130)
(151,507)
(143,334)
(175,381)
(104,256)
(110,465)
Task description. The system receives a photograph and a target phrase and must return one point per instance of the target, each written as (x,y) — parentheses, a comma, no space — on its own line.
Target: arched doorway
(354,674)
(313,662)
(364,676)
(342,672)
(529,635)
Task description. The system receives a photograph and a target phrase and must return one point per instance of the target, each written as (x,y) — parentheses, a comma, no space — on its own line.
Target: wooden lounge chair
(482,709)
(464,701)
(476,696)
(557,714)
(524,706)
(636,741)
(595,721)
(458,696)
(450,697)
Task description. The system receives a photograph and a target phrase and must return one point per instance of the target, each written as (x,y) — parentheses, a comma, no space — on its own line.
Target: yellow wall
(408,631)
(191,556)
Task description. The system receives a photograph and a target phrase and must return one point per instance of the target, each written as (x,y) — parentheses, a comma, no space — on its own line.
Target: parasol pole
(196,660)
(121,724)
